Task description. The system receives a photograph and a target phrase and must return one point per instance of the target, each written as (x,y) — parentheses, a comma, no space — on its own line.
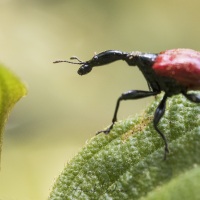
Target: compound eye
(84,69)
(95,57)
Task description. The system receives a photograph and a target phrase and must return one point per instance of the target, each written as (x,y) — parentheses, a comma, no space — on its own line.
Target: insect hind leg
(193,97)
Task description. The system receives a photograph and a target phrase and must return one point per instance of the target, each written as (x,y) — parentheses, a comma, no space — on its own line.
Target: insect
(175,71)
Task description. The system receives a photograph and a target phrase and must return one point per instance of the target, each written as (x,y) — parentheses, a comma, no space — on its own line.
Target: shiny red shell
(183,65)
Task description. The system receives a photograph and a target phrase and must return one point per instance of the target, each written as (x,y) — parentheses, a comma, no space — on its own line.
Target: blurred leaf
(183,187)
(11,90)
(128,163)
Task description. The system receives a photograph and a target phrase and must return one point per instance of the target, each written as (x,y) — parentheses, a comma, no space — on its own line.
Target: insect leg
(130,95)
(192,97)
(157,116)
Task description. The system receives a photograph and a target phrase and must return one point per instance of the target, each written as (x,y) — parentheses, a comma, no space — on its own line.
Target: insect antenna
(72,58)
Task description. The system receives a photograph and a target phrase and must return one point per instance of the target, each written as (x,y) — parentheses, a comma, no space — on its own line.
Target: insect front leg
(130,95)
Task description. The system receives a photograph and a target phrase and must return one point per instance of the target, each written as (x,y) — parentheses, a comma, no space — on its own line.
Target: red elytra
(182,65)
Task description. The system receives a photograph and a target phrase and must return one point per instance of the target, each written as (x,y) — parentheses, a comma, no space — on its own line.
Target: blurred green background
(63,110)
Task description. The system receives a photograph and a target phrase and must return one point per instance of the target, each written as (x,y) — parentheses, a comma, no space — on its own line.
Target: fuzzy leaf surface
(128,162)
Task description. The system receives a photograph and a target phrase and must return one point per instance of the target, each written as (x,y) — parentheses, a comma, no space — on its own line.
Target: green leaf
(183,187)
(11,90)
(128,163)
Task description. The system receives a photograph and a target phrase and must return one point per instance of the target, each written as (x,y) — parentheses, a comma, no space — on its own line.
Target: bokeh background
(63,110)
